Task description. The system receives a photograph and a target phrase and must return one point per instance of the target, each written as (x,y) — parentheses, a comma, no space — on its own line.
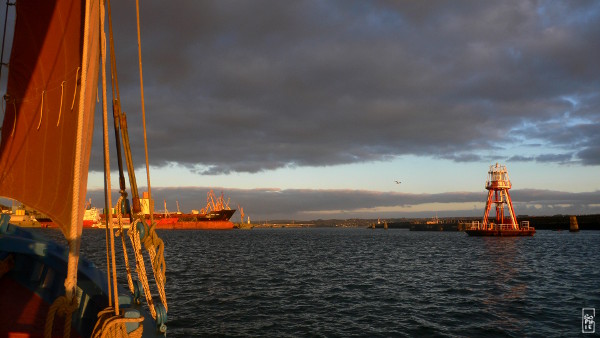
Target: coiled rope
(110,326)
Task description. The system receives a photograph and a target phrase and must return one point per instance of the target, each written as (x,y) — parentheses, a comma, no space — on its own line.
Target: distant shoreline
(556,222)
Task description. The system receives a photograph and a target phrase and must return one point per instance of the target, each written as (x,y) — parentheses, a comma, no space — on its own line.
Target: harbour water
(338,282)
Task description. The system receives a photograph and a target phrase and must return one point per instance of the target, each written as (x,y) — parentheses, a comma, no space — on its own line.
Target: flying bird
(397,182)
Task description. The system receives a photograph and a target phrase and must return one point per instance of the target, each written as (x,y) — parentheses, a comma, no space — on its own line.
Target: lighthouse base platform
(501,233)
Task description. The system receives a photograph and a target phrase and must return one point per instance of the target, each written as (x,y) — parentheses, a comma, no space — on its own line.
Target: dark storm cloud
(250,86)
(307,204)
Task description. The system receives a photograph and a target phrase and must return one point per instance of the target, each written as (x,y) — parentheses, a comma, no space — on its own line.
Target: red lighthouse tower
(505,224)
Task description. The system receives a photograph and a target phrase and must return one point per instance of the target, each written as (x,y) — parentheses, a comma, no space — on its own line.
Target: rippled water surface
(362,282)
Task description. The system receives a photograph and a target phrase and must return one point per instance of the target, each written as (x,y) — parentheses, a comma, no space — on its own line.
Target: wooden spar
(135,196)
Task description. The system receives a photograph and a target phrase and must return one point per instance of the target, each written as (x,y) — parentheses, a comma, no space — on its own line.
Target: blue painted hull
(40,266)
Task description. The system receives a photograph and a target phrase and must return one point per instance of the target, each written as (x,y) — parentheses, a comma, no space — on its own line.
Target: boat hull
(215,220)
(195,225)
(210,225)
(89,223)
(35,278)
(501,233)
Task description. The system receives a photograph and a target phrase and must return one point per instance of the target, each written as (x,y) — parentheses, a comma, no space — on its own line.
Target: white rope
(73,238)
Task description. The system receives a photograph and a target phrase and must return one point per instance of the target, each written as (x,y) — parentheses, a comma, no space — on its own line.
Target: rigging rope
(107,184)
(137,7)
(141,267)
(125,256)
(116,103)
(152,242)
(8,3)
(64,307)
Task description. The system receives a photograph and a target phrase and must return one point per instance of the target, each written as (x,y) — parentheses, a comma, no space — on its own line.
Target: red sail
(42,107)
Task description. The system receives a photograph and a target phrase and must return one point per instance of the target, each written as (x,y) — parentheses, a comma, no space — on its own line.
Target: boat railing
(525,225)
(476,225)
(506,227)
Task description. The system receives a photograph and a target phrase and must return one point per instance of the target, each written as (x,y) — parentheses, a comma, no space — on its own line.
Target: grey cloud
(306,204)
(463,157)
(519,158)
(590,155)
(233,87)
(560,158)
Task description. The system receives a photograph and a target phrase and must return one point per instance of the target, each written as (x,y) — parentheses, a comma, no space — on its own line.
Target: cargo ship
(212,220)
(215,216)
(91,216)
(24,219)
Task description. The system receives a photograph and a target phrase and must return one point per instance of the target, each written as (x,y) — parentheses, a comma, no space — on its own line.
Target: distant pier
(283,225)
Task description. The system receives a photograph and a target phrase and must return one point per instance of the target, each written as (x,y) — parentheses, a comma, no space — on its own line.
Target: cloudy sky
(312,109)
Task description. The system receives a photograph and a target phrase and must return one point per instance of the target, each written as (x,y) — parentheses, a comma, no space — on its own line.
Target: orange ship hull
(204,225)
(194,225)
(215,220)
(88,223)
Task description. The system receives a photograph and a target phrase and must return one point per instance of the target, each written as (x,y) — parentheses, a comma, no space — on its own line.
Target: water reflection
(508,290)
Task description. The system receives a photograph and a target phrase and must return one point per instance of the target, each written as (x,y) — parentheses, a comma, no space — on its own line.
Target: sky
(313,109)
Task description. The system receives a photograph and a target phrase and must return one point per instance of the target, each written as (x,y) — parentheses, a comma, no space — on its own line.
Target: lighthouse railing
(475,225)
